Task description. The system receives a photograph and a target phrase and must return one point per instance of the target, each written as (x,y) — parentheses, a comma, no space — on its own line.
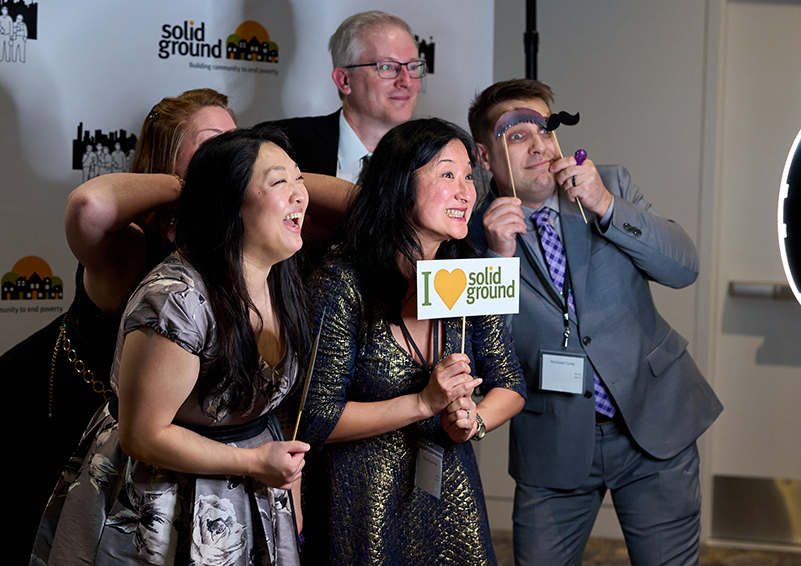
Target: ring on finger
(573,180)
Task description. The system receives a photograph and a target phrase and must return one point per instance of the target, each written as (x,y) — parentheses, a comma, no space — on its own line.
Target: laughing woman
(187,463)
(386,384)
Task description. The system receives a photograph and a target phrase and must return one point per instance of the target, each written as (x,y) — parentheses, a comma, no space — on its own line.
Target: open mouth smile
(293,219)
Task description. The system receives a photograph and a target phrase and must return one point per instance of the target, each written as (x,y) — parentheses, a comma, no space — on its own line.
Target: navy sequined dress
(361,505)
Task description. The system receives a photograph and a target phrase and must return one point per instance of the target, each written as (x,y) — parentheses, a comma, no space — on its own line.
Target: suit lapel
(577,239)
(328,131)
(532,270)
(535,275)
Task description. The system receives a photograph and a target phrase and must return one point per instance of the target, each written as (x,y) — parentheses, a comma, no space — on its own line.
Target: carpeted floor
(609,552)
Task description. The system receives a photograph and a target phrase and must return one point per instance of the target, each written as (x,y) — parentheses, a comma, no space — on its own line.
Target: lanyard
(566,289)
(417,350)
(547,282)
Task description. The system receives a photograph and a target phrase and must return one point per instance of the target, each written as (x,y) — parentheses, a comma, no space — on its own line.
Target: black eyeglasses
(391,69)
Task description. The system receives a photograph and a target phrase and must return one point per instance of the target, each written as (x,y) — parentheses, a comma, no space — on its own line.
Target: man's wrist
(604,205)
(493,253)
(605,219)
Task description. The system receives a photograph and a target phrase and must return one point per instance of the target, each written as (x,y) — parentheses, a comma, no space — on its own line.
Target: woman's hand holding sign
(450,380)
(459,419)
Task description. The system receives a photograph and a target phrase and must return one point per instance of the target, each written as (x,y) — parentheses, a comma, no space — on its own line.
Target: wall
(100,66)
(757,358)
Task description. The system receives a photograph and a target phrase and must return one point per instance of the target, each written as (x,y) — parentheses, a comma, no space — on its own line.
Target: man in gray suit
(615,402)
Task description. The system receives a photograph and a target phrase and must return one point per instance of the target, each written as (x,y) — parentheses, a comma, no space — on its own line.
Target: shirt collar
(552,202)
(351,149)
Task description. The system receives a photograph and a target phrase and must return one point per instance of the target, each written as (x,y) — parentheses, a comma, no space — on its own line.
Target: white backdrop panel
(97,64)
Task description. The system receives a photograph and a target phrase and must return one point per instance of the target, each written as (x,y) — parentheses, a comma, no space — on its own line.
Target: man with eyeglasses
(377,71)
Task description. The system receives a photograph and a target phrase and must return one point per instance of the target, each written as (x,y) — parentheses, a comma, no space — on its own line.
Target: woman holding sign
(396,480)
(185,464)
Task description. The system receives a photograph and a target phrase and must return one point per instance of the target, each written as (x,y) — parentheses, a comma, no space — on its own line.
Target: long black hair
(378,232)
(210,235)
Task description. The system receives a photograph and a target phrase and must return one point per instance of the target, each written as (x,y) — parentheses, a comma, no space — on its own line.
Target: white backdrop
(100,65)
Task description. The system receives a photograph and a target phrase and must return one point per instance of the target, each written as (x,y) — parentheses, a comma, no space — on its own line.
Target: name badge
(561,371)
(428,475)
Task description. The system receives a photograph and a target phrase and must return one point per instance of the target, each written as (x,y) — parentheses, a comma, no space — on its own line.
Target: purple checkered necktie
(554,253)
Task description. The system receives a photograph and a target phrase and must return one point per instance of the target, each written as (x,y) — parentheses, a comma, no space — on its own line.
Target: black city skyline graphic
(100,153)
(425,50)
(18,24)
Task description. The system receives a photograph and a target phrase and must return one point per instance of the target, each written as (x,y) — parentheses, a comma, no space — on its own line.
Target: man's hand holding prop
(582,183)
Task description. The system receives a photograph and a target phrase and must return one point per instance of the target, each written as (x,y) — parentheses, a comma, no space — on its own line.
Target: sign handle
(463,325)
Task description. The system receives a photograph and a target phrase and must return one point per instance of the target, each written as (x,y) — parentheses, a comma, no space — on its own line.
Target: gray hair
(346,43)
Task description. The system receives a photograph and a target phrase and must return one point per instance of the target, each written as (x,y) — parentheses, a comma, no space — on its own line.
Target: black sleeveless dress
(44,430)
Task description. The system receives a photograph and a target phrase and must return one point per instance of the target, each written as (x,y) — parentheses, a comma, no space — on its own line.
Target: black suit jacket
(315,140)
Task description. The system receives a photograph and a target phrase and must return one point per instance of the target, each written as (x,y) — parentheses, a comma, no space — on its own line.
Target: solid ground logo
(466,287)
(31,279)
(250,42)
(17,26)
(488,284)
(187,39)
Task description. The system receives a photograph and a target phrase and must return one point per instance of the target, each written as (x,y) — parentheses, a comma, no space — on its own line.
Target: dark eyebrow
(277,168)
(272,168)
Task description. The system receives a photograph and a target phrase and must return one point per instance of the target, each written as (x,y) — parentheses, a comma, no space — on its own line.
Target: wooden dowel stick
(463,325)
(578,200)
(509,163)
(309,373)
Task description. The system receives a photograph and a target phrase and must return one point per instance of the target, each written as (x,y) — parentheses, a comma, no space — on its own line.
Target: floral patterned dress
(111,509)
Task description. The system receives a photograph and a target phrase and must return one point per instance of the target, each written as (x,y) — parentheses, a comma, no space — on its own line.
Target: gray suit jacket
(663,399)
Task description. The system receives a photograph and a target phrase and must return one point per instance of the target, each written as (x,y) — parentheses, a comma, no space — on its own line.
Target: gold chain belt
(87,375)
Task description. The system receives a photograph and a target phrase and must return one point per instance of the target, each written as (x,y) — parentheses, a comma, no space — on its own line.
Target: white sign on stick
(449,288)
